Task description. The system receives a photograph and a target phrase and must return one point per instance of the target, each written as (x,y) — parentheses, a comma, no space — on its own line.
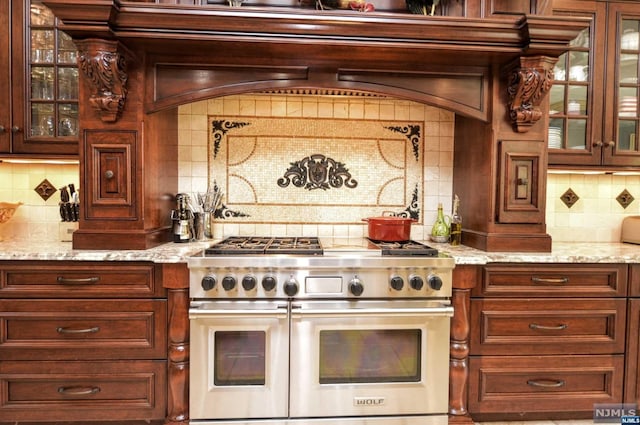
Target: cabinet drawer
(79,329)
(527,386)
(82,391)
(46,279)
(553,280)
(548,326)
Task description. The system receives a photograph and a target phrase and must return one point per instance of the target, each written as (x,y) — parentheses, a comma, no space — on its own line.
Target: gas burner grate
(405,248)
(252,245)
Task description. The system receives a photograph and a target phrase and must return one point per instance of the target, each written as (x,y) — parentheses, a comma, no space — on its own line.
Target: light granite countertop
(562,252)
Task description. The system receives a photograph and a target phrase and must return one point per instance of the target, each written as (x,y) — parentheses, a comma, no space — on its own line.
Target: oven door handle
(279,311)
(442,310)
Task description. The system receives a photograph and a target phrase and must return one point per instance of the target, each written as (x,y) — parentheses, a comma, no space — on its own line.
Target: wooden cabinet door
(621,112)
(577,95)
(5,78)
(44,84)
(594,113)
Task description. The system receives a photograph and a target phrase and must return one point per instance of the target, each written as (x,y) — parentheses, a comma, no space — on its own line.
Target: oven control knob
(208,282)
(269,283)
(291,287)
(249,283)
(416,282)
(228,283)
(435,282)
(355,287)
(396,283)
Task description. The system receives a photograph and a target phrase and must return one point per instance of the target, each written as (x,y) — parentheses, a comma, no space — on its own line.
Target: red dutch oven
(389,228)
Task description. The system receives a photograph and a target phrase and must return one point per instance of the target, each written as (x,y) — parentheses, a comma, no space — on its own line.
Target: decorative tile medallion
(569,198)
(625,198)
(333,171)
(45,189)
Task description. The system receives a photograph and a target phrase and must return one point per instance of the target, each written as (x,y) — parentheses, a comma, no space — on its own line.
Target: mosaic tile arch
(271,169)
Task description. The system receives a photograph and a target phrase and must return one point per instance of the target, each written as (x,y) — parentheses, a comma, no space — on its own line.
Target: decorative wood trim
(103,66)
(175,278)
(465,278)
(529,83)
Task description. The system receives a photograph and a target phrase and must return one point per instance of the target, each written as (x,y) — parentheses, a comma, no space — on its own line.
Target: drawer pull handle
(546,383)
(548,328)
(78,390)
(550,280)
(77,281)
(92,330)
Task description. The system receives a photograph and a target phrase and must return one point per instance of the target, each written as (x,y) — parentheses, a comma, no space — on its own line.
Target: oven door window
(370,356)
(240,358)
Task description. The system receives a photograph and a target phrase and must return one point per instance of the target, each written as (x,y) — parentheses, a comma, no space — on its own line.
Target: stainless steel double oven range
(307,331)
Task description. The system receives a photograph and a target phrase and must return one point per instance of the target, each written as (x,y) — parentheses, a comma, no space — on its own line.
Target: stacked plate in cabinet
(555,138)
(628,106)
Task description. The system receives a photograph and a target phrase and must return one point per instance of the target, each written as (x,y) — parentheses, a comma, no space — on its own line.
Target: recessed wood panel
(518,388)
(544,326)
(553,280)
(85,391)
(521,186)
(112,174)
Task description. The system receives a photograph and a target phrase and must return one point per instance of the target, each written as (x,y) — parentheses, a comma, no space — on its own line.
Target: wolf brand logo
(613,413)
(368,401)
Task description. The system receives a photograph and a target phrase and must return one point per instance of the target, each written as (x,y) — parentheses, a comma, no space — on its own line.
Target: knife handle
(64,215)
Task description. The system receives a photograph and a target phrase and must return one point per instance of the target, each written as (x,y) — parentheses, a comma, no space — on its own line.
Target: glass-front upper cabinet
(593,109)
(576,97)
(626,103)
(569,96)
(44,90)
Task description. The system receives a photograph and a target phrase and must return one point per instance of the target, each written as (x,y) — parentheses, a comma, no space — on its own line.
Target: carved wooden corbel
(103,66)
(529,82)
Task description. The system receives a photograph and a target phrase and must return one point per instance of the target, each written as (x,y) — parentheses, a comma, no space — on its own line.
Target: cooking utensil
(389,228)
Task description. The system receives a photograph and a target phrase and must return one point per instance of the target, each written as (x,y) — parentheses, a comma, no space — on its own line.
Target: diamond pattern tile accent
(45,189)
(625,198)
(569,198)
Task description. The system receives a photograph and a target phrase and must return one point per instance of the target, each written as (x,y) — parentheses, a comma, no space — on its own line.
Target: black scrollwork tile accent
(625,198)
(569,198)
(219,128)
(317,172)
(45,189)
(225,212)
(413,210)
(412,132)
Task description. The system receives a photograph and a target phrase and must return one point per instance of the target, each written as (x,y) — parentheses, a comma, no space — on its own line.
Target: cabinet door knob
(2,129)
(610,144)
(598,144)
(109,174)
(15,129)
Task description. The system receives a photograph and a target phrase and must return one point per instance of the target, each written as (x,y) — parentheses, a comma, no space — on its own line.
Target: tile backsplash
(596,216)
(372,135)
(36,219)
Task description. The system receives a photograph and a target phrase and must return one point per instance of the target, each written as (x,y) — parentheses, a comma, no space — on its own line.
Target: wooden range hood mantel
(140,60)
